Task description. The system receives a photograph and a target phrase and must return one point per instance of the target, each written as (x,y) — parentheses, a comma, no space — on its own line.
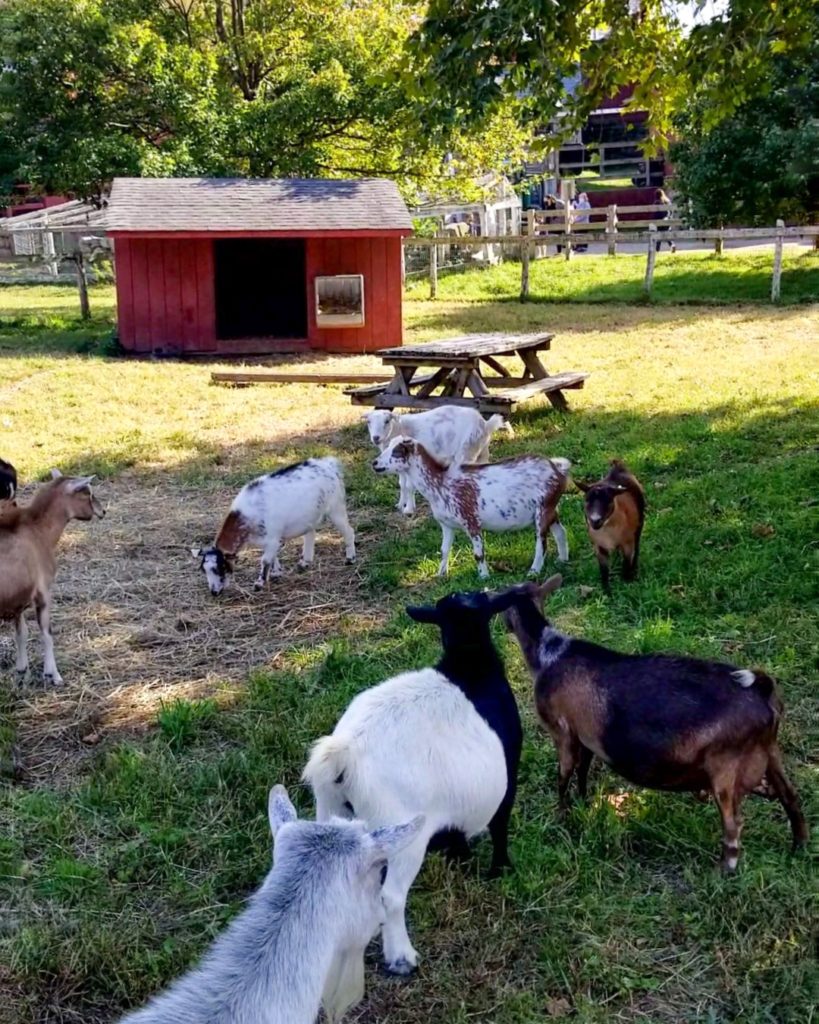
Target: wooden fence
(561,229)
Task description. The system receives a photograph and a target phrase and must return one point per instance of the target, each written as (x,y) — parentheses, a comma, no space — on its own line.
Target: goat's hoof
(258,585)
(498,870)
(400,968)
(53,679)
(304,565)
(350,560)
(21,676)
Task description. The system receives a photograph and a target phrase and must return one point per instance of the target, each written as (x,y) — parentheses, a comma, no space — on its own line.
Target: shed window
(340,301)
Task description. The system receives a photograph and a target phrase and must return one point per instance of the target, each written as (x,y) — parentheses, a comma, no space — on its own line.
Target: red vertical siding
(125,295)
(155,249)
(141,295)
(173,294)
(394,324)
(167,301)
(205,296)
(189,299)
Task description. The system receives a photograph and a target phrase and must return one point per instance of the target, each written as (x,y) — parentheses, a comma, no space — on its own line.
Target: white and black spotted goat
(443,742)
(300,943)
(290,502)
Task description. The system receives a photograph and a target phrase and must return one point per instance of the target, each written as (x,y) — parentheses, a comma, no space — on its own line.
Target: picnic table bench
(459,366)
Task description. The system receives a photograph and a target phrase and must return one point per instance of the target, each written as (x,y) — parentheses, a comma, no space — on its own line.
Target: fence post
(82,284)
(525,252)
(403,264)
(652,256)
(49,251)
(433,270)
(611,229)
(776,283)
(567,228)
(719,243)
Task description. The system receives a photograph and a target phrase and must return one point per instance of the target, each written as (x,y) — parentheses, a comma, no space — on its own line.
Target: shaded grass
(111,886)
(684,277)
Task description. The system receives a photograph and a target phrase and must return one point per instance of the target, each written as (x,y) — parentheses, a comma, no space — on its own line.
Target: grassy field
(132,813)
(682,277)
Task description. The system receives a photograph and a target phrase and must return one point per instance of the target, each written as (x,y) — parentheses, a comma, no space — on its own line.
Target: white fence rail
(561,229)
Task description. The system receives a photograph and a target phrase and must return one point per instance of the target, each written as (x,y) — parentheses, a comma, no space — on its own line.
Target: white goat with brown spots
(452,434)
(28,538)
(507,495)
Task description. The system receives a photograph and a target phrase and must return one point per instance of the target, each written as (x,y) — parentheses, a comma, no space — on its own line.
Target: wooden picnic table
(459,366)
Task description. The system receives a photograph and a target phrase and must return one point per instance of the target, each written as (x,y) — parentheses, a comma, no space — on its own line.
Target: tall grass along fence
(612,225)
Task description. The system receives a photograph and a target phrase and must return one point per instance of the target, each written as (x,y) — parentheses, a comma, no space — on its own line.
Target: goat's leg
(21,636)
(270,564)
(559,534)
(480,556)
(568,756)
(406,500)
(399,955)
(308,549)
(586,757)
(603,562)
(629,567)
(338,517)
(447,537)
(543,520)
(42,606)
(728,800)
(499,831)
(787,796)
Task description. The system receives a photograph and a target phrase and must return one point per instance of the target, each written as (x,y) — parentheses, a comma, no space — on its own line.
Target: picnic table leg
(438,378)
(498,367)
(539,372)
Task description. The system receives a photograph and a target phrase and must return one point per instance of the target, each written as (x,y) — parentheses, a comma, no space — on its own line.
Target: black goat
(8,481)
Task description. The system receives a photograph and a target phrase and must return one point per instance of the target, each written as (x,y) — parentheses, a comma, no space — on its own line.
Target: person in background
(582,208)
(661,198)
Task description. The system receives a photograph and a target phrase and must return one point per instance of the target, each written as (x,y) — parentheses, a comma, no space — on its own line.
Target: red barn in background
(231,266)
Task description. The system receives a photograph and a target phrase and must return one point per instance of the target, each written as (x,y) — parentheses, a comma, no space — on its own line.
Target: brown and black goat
(661,721)
(615,510)
(28,537)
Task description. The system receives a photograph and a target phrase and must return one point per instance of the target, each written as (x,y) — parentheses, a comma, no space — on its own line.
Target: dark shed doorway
(261,290)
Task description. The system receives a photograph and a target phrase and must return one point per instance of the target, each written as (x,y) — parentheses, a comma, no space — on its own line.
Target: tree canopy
(762,162)
(97,88)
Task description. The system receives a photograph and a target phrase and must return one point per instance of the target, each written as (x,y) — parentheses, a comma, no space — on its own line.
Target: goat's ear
(280,810)
(391,839)
(581,485)
(424,613)
(80,483)
(55,474)
(505,599)
(197,552)
(549,586)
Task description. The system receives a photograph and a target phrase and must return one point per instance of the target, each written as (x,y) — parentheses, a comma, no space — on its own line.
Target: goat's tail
(562,466)
(762,684)
(498,422)
(328,772)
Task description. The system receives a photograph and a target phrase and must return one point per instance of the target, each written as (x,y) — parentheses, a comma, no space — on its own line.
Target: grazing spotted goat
(290,502)
(615,512)
(8,481)
(661,721)
(507,495)
(443,742)
(28,538)
(451,434)
(300,943)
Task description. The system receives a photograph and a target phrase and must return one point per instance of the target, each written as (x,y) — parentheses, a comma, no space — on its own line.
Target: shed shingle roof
(255,204)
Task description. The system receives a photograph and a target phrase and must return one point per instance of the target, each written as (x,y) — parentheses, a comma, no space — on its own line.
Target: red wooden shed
(249,266)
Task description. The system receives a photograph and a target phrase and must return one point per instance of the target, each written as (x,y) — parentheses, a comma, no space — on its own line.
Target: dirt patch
(135,625)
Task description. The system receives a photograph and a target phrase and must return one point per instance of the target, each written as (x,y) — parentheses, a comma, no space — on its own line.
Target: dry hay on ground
(135,624)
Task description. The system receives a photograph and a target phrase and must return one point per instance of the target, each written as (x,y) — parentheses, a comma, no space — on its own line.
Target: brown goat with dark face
(661,721)
(615,510)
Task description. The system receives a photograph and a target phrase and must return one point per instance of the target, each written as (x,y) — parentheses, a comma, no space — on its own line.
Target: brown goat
(615,510)
(661,721)
(28,538)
